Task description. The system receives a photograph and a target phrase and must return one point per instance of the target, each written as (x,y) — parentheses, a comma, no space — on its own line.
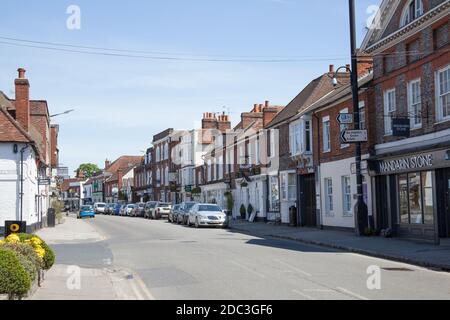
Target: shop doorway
(307,200)
(443,205)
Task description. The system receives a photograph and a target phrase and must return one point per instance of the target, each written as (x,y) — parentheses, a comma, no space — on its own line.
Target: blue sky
(121,102)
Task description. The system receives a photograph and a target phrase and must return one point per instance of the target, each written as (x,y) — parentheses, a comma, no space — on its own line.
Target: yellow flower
(2,242)
(13,238)
(40,251)
(36,241)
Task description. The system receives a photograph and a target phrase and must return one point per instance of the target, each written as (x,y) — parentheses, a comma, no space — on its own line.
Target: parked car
(173,214)
(86,212)
(99,207)
(138,210)
(161,210)
(148,210)
(129,209)
(207,215)
(123,209)
(183,216)
(109,208)
(116,209)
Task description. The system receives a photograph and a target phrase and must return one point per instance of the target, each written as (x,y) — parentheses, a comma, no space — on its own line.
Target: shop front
(413,194)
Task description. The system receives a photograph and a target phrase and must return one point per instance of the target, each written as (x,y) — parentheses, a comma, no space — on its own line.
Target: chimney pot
(348,67)
(331,68)
(21,73)
(267,103)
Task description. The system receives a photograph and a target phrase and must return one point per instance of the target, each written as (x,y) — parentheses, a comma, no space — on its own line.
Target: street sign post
(354,136)
(345,118)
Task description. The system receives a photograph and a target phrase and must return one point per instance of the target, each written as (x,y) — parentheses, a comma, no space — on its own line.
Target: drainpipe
(22,151)
(318,168)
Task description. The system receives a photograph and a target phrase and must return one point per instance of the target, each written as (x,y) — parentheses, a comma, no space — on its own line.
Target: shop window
(416,198)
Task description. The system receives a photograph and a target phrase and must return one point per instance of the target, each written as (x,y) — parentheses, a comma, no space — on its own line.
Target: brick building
(411,79)
(166,187)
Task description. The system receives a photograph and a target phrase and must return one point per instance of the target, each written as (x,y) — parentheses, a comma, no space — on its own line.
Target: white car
(99,207)
(129,209)
(207,215)
(161,210)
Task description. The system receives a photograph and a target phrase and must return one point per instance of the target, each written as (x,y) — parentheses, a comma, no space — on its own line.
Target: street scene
(178,150)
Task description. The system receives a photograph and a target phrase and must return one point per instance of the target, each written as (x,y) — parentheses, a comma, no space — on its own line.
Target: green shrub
(243,211)
(14,279)
(49,257)
(250,209)
(28,257)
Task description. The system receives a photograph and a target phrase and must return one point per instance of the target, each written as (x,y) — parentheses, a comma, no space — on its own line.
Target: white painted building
(10,186)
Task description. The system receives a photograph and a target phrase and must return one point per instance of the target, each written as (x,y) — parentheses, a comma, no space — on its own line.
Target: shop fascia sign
(407,163)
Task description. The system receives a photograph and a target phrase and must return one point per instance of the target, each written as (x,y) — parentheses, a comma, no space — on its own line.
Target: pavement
(75,277)
(417,253)
(132,258)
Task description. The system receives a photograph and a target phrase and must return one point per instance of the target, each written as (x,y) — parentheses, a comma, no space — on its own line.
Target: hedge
(14,279)
(30,255)
(49,257)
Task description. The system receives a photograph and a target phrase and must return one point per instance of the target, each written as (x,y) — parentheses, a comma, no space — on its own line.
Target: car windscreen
(161,205)
(101,205)
(130,206)
(209,208)
(86,208)
(189,206)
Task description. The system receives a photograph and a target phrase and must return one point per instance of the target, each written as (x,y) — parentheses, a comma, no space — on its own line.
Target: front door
(308,200)
(448,204)
(443,202)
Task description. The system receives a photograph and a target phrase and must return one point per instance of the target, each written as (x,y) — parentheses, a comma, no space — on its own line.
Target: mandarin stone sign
(408,163)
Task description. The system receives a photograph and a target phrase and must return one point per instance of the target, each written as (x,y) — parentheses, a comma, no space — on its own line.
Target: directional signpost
(345,118)
(354,136)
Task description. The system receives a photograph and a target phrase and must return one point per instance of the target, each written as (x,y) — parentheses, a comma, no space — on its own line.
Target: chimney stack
(267,104)
(224,123)
(23,100)
(348,68)
(107,164)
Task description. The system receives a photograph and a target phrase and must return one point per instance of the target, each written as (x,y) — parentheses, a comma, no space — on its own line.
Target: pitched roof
(315,90)
(11,130)
(123,162)
(340,94)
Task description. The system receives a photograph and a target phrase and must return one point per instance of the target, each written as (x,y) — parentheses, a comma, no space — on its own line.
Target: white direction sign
(345,118)
(354,136)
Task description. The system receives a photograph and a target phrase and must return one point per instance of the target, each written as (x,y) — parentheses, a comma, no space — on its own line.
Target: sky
(121,101)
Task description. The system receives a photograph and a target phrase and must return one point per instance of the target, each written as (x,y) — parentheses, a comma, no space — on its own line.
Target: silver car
(183,215)
(207,215)
(161,210)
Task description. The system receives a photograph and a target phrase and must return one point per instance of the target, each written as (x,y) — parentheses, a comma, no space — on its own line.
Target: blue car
(86,212)
(116,209)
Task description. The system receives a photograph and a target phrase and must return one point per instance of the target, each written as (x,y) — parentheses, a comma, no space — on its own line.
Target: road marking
(319,290)
(248,269)
(144,288)
(295,268)
(348,292)
(136,291)
(303,295)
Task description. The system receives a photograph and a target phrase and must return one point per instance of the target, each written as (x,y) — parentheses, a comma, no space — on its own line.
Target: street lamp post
(361,211)
(65,112)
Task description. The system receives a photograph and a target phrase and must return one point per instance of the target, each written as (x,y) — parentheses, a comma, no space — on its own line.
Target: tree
(87,169)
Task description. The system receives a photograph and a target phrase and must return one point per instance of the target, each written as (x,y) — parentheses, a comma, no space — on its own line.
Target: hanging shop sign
(401,127)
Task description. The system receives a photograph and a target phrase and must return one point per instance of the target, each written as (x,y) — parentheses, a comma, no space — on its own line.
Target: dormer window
(412,11)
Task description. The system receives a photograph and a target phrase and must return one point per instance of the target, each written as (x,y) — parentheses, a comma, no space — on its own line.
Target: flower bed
(23,258)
